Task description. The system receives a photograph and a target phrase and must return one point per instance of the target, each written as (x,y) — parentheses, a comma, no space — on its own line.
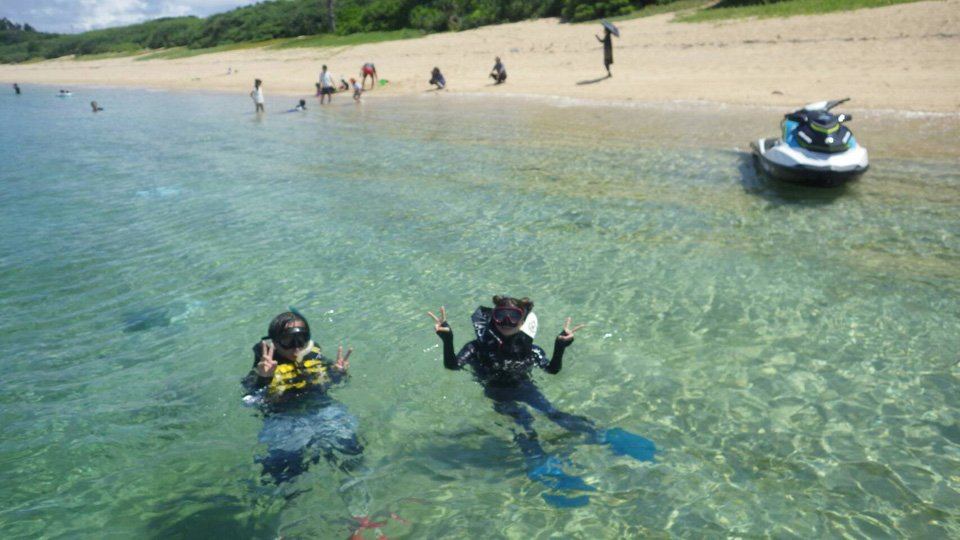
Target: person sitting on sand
(357,89)
(498,73)
(368,70)
(326,85)
(257,95)
(437,78)
(95,107)
(502,358)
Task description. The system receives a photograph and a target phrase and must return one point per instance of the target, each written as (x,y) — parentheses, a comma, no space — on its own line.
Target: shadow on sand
(593,81)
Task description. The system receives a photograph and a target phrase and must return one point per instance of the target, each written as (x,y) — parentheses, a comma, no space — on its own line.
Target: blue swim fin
(559,501)
(549,473)
(624,443)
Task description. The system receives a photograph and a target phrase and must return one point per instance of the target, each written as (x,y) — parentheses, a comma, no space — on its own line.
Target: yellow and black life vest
(297,375)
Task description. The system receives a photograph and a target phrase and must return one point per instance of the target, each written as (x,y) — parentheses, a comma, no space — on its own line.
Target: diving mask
(507,315)
(293,338)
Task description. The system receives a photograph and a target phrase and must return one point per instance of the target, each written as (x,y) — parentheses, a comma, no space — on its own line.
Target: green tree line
(291,18)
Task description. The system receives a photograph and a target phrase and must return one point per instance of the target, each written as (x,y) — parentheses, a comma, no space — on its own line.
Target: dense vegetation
(290,18)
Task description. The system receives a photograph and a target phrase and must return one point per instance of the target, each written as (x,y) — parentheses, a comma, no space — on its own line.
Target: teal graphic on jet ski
(815,148)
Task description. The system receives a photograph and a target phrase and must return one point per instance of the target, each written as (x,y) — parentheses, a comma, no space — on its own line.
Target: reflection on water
(792,353)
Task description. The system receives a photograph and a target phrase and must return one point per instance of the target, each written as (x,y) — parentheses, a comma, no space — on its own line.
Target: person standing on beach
(257,95)
(357,89)
(16,88)
(607,49)
(368,70)
(326,85)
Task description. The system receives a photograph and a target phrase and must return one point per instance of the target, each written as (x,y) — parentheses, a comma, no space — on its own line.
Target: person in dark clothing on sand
(436,78)
(607,49)
(498,73)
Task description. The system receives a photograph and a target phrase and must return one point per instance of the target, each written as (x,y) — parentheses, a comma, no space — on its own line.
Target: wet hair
(524,303)
(281,321)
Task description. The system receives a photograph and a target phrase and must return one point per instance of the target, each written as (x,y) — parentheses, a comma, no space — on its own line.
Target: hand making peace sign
(342,363)
(267,365)
(567,334)
(441,321)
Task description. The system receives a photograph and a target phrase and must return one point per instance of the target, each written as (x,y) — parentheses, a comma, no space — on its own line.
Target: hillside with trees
(291,18)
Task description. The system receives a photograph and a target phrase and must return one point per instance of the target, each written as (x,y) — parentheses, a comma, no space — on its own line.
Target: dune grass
(786,8)
(184,52)
(332,40)
(320,40)
(108,55)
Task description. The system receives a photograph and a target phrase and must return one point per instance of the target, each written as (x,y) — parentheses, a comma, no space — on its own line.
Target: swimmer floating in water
(502,358)
(289,382)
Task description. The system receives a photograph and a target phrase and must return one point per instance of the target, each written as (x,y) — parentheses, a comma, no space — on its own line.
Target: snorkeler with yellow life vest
(288,382)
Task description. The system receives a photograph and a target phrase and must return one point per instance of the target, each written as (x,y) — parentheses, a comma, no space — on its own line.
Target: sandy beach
(900,57)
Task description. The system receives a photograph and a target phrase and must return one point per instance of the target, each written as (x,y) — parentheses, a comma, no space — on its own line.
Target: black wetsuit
(503,366)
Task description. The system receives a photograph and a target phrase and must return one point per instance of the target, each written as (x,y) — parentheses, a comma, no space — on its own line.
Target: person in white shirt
(257,94)
(357,89)
(326,85)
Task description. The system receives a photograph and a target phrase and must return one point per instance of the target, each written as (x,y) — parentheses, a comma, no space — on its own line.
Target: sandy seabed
(901,57)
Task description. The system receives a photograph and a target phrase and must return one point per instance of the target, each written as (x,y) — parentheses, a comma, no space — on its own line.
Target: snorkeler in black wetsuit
(502,359)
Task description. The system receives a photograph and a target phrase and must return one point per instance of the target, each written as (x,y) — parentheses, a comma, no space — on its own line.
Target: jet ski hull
(798,166)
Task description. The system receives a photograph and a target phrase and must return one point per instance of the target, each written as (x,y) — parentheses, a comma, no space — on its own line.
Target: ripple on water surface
(792,353)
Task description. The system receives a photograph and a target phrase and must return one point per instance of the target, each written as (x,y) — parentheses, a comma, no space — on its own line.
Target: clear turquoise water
(793,354)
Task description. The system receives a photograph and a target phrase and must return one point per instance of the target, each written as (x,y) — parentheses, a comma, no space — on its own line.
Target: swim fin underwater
(546,469)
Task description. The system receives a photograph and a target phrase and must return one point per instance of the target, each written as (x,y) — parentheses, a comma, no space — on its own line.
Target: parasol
(609,26)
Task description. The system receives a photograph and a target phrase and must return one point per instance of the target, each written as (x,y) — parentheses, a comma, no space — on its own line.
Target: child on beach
(357,89)
(437,78)
(257,95)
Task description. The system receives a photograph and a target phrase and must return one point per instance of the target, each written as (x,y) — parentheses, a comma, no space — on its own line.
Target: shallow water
(792,353)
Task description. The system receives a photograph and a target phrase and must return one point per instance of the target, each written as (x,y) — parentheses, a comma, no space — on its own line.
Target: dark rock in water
(138,321)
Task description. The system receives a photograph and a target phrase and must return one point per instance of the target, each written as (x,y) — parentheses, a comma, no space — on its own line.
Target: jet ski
(815,148)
